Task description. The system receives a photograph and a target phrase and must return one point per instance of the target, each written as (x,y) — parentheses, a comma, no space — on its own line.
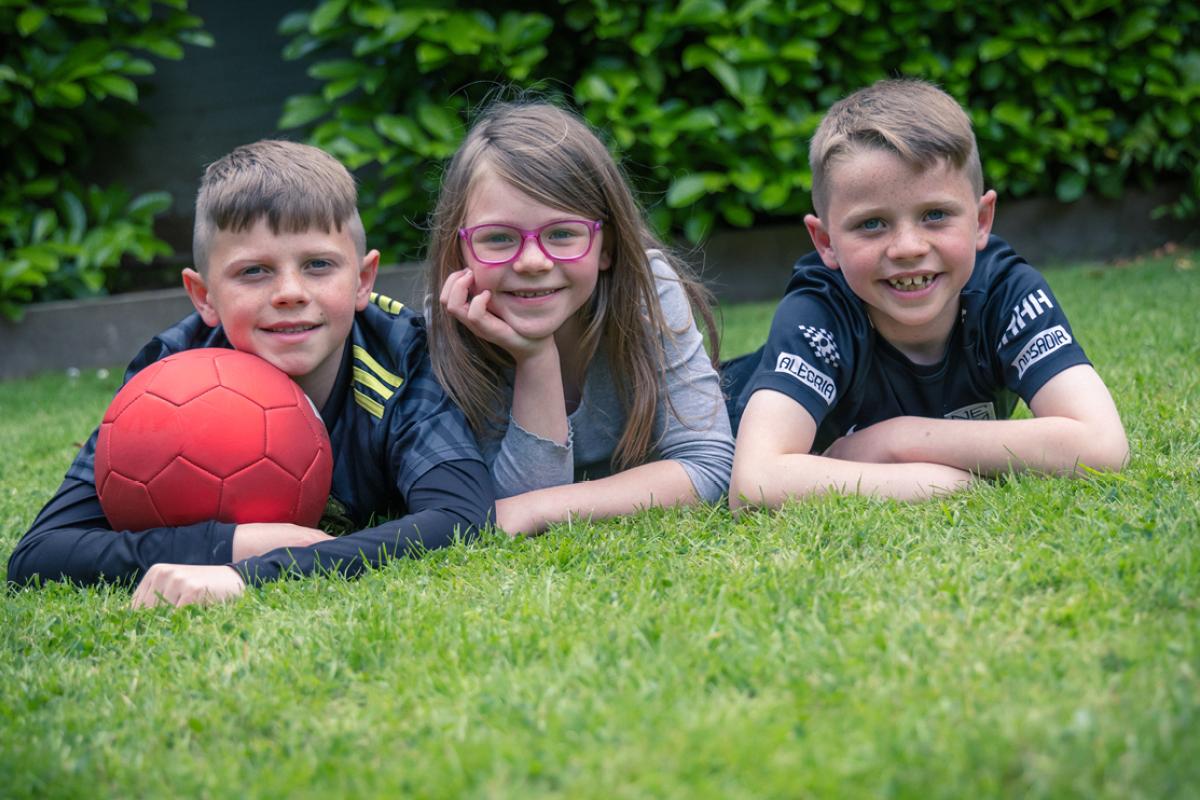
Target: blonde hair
(914,119)
(551,155)
(295,187)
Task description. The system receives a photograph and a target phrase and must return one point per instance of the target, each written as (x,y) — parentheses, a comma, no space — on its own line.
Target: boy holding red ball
(282,272)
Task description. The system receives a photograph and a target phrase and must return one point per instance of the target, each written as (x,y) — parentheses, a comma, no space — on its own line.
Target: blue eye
(320,263)
(253,270)
(872,224)
(561,234)
(935,215)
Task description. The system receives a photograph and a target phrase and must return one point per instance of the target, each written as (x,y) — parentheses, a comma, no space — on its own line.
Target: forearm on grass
(772,481)
(72,540)
(1075,425)
(452,499)
(660,483)
(1051,445)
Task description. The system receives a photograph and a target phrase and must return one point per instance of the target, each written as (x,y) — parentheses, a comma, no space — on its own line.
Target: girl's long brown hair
(553,156)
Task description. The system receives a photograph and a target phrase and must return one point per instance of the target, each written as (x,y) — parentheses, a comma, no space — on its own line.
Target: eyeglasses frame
(536,235)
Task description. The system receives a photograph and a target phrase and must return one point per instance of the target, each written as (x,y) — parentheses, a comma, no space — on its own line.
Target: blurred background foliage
(67,80)
(708,103)
(711,103)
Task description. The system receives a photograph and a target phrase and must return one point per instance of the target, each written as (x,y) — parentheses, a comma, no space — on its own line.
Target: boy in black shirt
(898,352)
(282,271)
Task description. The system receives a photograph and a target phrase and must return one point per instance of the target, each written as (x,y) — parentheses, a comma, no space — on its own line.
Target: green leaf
(325,16)
(401,130)
(41,187)
(697,55)
(805,50)
(698,226)
(197,38)
(117,86)
(150,204)
(137,66)
(431,56)
(93,15)
(439,121)
(29,20)
(336,70)
(43,225)
(737,215)
(774,195)
(293,23)
(1134,27)
(593,88)
(69,94)
(403,23)
(727,75)
(697,119)
(76,217)
(465,34)
(995,48)
(301,110)
(699,12)
(1034,57)
(687,189)
(339,88)
(1070,186)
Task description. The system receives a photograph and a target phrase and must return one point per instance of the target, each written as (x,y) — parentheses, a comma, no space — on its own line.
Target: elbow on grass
(1108,454)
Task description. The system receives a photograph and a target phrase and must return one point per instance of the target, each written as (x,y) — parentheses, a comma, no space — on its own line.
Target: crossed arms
(1075,425)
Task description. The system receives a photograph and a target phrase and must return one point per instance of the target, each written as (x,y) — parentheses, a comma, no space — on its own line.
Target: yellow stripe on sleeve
(374,384)
(369,404)
(386,303)
(364,357)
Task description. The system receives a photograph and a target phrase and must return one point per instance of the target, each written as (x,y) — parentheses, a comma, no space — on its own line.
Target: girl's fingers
(477,311)
(456,289)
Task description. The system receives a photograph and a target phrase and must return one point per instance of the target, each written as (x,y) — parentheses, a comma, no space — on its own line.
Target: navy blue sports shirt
(1011,338)
(402,452)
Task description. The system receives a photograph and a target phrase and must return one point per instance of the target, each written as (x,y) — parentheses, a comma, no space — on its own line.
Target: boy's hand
(187,584)
(258,538)
(473,312)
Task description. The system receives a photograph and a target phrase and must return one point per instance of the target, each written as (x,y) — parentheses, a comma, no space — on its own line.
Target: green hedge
(711,103)
(67,80)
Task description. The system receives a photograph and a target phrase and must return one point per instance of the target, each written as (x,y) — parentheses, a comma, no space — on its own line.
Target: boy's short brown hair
(914,119)
(295,187)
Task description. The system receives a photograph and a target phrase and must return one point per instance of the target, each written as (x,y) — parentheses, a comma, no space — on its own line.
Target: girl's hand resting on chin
(473,312)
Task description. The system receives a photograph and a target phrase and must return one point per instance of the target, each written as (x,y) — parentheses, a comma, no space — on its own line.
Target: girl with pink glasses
(565,330)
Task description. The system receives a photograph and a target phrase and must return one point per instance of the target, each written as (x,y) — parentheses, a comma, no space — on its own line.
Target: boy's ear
(987,215)
(821,240)
(197,291)
(367,272)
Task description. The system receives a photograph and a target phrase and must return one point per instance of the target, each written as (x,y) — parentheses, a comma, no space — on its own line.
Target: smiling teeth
(542,293)
(911,284)
(293,329)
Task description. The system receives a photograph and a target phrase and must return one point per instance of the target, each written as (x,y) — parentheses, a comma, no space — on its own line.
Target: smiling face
(536,295)
(905,238)
(289,298)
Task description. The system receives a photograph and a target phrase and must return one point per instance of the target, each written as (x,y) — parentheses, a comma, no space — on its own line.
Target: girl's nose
(531,259)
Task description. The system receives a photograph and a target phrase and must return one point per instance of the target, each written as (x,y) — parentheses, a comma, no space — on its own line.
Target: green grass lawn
(1030,637)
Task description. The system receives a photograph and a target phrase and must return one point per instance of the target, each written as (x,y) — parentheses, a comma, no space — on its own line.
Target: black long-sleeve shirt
(402,452)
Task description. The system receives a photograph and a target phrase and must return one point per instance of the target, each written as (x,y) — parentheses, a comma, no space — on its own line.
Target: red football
(212,434)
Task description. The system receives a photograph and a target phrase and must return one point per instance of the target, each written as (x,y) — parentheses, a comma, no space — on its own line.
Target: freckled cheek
(485,277)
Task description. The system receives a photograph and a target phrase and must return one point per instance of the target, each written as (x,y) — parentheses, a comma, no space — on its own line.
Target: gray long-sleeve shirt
(691,429)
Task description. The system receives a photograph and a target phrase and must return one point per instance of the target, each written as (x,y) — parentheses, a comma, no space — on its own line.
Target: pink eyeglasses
(562,240)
